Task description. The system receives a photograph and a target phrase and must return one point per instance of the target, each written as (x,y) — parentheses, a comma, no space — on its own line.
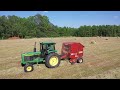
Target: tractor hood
(31,53)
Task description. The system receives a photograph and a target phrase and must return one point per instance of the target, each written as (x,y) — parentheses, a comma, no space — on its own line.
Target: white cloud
(115,17)
(45,11)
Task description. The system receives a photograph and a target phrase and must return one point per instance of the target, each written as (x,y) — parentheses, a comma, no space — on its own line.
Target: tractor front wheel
(52,60)
(28,68)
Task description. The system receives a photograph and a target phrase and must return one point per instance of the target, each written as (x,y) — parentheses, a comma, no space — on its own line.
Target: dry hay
(99,59)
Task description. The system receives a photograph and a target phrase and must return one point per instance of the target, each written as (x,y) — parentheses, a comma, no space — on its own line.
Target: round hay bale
(93,42)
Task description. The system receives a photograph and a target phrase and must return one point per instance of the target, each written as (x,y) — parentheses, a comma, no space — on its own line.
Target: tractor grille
(28,58)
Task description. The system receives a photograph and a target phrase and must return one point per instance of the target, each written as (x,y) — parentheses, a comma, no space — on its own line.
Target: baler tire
(28,68)
(55,63)
(80,60)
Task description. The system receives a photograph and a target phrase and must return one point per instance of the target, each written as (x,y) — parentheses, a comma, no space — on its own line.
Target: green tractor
(47,55)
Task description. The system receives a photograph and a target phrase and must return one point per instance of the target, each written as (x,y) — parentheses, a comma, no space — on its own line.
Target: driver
(48,47)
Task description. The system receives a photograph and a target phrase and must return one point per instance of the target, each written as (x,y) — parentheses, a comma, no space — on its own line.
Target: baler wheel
(80,60)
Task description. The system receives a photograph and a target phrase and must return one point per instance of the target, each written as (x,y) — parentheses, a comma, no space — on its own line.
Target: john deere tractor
(47,55)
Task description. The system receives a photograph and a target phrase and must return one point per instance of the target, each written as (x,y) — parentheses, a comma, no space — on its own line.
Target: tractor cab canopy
(47,46)
(47,43)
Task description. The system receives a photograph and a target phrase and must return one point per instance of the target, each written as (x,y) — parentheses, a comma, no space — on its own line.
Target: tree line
(40,26)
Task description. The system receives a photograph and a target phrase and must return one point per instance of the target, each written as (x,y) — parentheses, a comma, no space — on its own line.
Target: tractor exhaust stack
(34,50)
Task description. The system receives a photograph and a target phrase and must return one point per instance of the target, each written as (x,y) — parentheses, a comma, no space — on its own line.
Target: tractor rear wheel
(80,60)
(28,68)
(52,60)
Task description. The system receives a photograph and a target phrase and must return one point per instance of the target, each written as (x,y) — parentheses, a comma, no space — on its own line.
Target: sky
(73,18)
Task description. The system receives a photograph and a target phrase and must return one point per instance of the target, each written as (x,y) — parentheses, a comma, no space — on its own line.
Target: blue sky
(73,18)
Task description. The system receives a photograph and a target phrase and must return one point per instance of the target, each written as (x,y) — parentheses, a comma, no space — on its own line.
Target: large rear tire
(52,60)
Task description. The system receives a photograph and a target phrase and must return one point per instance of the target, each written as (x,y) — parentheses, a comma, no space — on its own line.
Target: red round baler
(73,51)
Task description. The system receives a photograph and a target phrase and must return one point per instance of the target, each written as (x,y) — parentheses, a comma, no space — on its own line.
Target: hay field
(101,59)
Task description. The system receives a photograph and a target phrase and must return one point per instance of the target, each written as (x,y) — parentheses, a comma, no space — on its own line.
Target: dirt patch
(12,38)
